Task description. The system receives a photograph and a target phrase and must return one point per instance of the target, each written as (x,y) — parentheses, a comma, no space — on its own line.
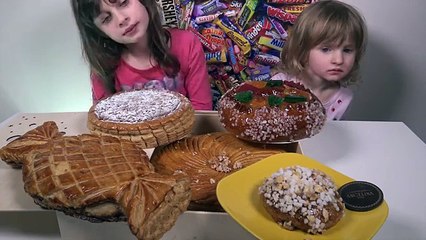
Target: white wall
(41,68)
(393,71)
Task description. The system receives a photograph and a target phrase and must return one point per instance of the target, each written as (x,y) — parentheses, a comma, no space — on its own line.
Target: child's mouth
(130,29)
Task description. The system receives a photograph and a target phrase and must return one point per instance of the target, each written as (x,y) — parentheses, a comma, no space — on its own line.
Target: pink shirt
(336,106)
(192,80)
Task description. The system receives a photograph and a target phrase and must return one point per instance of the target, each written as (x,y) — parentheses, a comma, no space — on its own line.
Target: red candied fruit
(250,86)
(295,85)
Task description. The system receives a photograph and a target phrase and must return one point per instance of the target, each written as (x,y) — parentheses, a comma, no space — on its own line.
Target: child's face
(125,21)
(331,62)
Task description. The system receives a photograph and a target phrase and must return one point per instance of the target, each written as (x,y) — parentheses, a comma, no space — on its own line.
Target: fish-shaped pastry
(99,178)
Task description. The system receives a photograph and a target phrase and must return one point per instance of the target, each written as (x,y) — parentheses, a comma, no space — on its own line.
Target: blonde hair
(324,22)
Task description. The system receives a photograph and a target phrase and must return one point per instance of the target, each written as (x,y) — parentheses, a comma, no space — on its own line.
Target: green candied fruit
(275,101)
(244,97)
(294,99)
(274,83)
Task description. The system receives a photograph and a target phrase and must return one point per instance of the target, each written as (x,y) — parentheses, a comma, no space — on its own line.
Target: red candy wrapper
(204,41)
(279,14)
(258,29)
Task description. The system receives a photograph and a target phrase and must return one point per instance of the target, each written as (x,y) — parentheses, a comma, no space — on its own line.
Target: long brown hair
(103,53)
(324,22)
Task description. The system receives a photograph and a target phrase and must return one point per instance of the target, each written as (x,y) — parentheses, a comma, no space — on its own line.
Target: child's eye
(325,49)
(348,50)
(106,19)
(124,3)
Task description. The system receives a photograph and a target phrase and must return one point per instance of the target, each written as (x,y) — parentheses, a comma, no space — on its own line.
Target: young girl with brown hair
(128,48)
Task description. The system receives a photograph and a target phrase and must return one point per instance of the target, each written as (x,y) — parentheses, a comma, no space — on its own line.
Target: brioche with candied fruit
(271,111)
(301,198)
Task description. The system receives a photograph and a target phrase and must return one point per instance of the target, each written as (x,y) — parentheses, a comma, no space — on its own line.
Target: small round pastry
(272,111)
(302,198)
(149,117)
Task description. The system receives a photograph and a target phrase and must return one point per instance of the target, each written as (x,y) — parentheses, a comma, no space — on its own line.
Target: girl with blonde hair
(323,52)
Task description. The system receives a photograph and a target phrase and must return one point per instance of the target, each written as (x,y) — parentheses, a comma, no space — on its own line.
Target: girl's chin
(334,78)
(134,39)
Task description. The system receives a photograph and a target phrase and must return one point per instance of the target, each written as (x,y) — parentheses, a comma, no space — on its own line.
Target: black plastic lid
(361,196)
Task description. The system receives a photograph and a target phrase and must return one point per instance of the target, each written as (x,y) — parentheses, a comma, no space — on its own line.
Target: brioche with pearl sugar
(302,198)
(149,117)
(271,111)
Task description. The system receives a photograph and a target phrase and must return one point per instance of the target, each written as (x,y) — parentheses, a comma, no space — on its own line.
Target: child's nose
(337,57)
(122,20)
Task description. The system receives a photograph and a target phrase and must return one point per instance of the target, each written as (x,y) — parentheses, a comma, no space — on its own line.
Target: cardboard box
(190,225)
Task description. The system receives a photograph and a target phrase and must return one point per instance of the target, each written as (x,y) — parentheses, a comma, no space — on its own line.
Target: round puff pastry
(207,159)
(149,117)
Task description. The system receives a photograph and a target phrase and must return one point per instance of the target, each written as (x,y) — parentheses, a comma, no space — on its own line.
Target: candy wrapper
(242,39)
(169,10)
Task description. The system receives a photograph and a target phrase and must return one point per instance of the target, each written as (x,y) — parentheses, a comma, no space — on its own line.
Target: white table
(387,154)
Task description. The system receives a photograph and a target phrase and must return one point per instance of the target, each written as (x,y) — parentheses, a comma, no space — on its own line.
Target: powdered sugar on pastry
(137,106)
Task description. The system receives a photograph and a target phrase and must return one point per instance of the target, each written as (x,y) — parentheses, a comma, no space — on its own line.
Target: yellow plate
(238,195)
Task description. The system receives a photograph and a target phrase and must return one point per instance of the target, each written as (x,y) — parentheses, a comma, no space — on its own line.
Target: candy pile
(242,39)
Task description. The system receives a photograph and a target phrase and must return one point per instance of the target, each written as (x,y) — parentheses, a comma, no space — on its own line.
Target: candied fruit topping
(275,100)
(258,84)
(294,99)
(244,97)
(274,83)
